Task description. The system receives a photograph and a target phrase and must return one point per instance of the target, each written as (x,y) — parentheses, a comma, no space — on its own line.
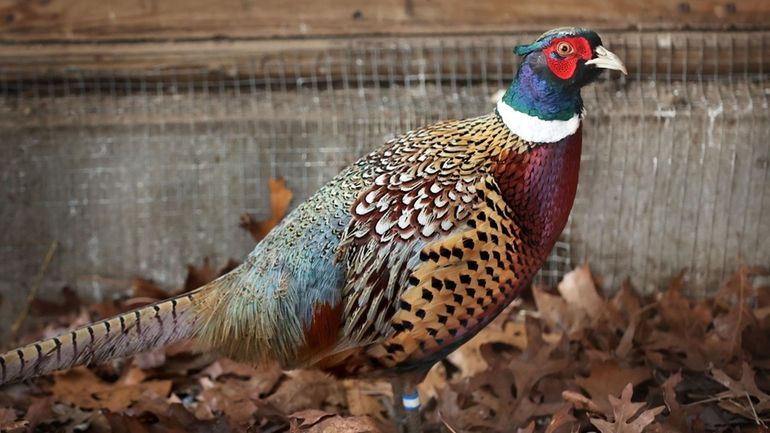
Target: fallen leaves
(743,396)
(307,389)
(575,361)
(586,349)
(69,388)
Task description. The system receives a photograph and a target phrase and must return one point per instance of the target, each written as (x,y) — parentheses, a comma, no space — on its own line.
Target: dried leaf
(39,411)
(739,288)
(581,402)
(559,315)
(280,198)
(8,421)
(671,350)
(146,288)
(224,367)
(199,275)
(338,424)
(627,300)
(310,417)
(436,381)
(152,359)
(608,378)
(729,326)
(529,370)
(530,428)
(370,398)
(7,415)
(561,419)
(307,389)
(236,399)
(741,392)
(578,289)
(677,418)
(203,274)
(72,303)
(684,316)
(69,386)
(624,415)
(469,358)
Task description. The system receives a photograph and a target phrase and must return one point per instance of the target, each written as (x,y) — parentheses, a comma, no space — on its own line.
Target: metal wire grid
(139,175)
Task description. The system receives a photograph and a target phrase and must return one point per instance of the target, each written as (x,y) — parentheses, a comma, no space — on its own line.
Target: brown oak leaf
(608,378)
(624,417)
(280,198)
(740,395)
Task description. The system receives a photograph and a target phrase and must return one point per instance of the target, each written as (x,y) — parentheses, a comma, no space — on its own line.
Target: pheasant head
(543,104)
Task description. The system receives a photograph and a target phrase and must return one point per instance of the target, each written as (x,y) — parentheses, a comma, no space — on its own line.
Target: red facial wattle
(564,67)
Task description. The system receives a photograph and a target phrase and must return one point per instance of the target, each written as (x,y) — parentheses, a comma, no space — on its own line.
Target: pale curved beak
(607,59)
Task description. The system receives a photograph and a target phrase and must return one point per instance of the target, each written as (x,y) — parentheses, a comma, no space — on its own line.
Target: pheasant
(400,258)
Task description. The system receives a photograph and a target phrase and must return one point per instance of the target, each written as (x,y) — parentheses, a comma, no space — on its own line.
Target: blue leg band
(411,401)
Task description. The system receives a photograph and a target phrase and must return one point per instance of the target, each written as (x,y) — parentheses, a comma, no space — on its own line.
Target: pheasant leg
(406,402)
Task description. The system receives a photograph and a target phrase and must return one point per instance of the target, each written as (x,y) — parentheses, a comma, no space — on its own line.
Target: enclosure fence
(139,172)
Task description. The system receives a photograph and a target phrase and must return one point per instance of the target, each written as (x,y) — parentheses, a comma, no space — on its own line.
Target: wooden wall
(124,20)
(135,34)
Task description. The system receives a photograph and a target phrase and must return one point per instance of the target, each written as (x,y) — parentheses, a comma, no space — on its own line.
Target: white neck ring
(535,129)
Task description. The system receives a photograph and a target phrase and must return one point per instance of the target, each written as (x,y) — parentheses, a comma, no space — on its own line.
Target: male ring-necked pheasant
(400,258)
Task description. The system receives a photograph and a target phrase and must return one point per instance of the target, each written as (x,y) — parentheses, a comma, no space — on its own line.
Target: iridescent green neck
(541,97)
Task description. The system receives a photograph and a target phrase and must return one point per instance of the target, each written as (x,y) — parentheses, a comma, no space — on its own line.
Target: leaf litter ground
(567,359)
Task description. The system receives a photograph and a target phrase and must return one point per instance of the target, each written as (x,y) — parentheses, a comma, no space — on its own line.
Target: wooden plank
(677,55)
(124,20)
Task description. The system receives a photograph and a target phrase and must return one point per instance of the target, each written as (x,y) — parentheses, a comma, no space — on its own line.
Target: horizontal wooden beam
(322,62)
(136,20)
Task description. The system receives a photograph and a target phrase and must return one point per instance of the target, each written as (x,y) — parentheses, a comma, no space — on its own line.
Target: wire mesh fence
(140,173)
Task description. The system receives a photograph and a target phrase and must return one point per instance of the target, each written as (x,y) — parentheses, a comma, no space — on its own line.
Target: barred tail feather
(145,328)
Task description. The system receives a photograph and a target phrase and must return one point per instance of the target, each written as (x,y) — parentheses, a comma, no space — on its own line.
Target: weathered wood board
(679,55)
(89,20)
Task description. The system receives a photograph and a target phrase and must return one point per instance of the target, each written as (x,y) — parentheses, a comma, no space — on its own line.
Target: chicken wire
(139,174)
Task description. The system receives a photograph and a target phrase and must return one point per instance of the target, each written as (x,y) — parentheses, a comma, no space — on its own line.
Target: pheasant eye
(564,49)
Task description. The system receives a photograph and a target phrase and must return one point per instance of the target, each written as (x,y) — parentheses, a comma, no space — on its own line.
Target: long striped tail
(126,334)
